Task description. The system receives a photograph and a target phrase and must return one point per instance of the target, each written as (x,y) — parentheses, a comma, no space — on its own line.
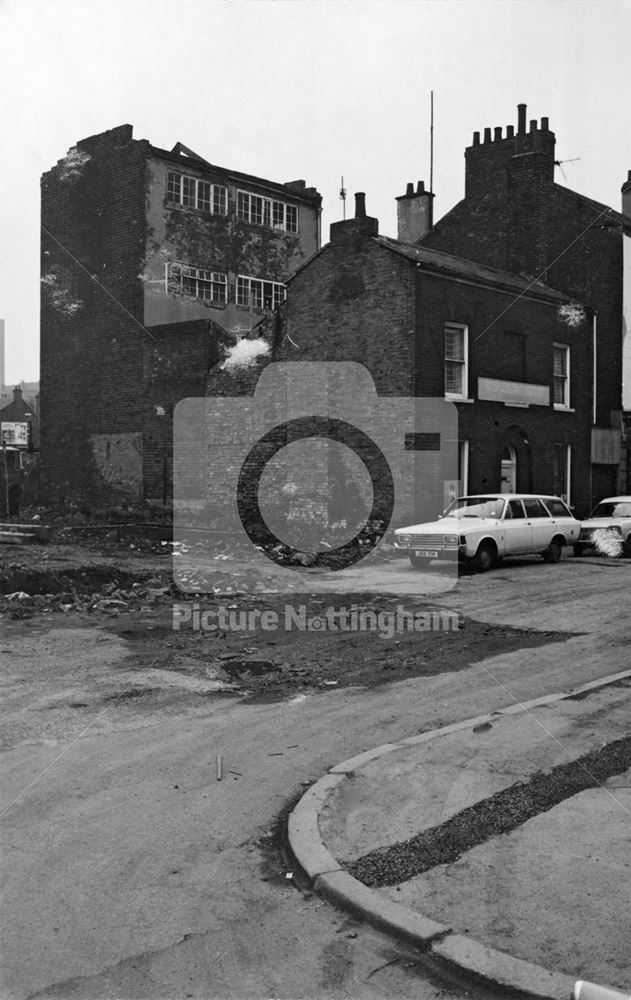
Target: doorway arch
(508,474)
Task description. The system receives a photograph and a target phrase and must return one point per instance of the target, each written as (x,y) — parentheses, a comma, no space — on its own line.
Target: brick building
(427,323)
(153,262)
(514,216)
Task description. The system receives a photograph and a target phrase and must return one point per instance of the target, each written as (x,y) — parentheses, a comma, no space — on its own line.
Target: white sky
(307,89)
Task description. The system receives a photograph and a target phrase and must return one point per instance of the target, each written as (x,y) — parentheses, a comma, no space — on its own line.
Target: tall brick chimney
(487,161)
(361,226)
(414,213)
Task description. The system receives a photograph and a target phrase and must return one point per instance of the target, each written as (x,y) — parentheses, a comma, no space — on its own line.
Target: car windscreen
(476,507)
(621,508)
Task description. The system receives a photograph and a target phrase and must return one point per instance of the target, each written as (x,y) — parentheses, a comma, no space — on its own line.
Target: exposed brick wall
(105,373)
(359,301)
(91,348)
(515,217)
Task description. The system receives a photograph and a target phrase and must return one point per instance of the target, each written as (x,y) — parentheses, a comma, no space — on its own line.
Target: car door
(517,530)
(562,519)
(540,524)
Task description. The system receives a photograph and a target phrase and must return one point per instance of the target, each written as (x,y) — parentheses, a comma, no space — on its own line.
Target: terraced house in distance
(154,262)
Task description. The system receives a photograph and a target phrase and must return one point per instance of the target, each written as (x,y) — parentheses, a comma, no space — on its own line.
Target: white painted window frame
(175,272)
(465,362)
(246,283)
(217,201)
(271,210)
(565,405)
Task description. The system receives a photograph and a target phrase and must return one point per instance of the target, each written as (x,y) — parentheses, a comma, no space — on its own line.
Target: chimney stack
(361,226)
(414,213)
(521,118)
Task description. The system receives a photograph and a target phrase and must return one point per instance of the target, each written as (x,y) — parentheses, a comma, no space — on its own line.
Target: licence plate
(426,553)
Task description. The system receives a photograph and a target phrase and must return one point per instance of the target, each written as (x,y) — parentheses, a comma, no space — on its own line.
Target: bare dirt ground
(130,870)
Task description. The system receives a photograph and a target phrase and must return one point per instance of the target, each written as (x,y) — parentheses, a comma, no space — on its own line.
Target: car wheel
(554,552)
(484,559)
(579,550)
(419,562)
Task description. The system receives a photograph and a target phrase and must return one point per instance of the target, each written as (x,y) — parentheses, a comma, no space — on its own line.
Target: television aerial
(559,164)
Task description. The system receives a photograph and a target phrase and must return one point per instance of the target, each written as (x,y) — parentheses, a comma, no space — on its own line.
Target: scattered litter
(219,767)
(292,746)
(331,683)
(238,773)
(483,727)
(289,875)
(276,753)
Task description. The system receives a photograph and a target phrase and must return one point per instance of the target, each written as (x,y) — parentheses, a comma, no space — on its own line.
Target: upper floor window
(561,375)
(456,360)
(197,283)
(257,294)
(193,192)
(264,212)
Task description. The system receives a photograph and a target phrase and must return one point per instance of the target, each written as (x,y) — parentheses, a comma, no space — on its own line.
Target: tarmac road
(131,871)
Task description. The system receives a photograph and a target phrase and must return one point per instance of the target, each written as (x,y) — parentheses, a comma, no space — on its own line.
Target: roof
(292,189)
(618,217)
(438,262)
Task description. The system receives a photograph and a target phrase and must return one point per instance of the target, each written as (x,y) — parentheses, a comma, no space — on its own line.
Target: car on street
(479,530)
(608,528)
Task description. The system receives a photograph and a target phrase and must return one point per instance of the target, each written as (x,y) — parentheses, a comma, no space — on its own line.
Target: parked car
(608,528)
(480,529)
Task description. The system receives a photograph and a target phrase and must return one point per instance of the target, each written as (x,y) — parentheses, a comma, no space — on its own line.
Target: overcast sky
(309,89)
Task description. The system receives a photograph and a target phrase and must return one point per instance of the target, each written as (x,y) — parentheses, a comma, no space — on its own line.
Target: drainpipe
(595,372)
(595,399)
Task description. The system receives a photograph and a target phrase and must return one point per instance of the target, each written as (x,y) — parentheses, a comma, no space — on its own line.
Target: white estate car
(481,529)
(613,514)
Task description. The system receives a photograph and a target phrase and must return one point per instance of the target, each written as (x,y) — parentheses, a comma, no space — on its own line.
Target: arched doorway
(508,478)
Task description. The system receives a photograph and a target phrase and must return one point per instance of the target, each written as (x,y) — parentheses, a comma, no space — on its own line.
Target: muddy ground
(100,578)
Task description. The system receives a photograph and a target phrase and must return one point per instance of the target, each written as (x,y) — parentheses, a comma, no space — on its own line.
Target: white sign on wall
(14,433)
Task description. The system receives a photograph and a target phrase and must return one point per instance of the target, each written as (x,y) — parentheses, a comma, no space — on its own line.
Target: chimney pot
(510,131)
(487,135)
(533,124)
(476,138)
(360,205)
(420,187)
(521,118)
(498,133)
(545,124)
(409,192)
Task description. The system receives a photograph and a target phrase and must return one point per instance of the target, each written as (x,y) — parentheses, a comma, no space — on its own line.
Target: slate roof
(438,262)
